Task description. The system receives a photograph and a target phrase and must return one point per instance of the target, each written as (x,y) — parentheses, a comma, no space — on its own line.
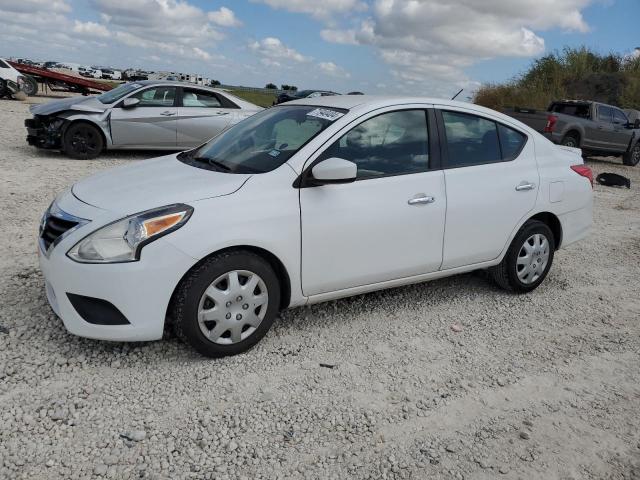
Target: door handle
(168,113)
(525,186)
(222,113)
(421,200)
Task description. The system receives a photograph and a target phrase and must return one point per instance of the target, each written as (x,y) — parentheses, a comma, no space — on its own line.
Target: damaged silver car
(155,115)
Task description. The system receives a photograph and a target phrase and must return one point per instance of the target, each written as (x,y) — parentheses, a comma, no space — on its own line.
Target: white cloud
(91,29)
(35,6)
(333,70)
(273,50)
(224,18)
(430,40)
(322,9)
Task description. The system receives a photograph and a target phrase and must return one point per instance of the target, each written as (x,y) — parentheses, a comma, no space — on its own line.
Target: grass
(261,99)
(575,73)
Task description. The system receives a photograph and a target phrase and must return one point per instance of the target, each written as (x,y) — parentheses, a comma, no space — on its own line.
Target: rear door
(152,123)
(492,182)
(202,115)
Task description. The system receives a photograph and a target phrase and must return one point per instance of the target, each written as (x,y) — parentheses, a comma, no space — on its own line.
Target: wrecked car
(149,115)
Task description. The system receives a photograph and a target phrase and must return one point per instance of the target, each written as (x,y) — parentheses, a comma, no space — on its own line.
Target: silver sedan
(157,115)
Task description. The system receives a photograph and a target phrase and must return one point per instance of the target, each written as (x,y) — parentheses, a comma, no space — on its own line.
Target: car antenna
(459,92)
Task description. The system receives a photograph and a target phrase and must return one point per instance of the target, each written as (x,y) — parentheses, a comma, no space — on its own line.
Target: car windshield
(118,92)
(263,142)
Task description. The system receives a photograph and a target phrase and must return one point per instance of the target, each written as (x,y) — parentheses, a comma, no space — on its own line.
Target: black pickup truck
(596,128)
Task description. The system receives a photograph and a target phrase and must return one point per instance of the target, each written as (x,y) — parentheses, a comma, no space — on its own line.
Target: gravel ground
(544,385)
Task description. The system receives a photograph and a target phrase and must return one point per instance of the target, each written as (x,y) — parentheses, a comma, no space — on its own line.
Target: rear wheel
(528,259)
(632,157)
(226,305)
(570,140)
(82,141)
(3,88)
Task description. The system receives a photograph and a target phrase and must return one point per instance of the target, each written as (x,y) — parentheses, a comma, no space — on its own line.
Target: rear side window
(604,114)
(511,142)
(470,139)
(394,143)
(199,98)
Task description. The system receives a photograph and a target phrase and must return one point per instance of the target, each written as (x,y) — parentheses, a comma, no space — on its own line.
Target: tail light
(583,171)
(551,123)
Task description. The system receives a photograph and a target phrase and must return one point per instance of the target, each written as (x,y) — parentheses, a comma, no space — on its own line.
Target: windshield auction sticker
(325,114)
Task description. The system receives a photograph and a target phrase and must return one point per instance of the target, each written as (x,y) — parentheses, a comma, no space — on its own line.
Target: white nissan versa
(304,202)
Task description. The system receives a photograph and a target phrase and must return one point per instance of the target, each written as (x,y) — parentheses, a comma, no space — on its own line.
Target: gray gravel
(450,379)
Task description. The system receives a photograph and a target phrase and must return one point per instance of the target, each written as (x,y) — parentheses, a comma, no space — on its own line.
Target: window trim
(444,146)
(432,145)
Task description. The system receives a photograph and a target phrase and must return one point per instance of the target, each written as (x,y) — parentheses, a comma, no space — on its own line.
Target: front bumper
(44,133)
(140,290)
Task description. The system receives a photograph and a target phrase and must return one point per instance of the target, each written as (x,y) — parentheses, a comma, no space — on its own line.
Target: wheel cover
(233,307)
(569,142)
(84,140)
(533,258)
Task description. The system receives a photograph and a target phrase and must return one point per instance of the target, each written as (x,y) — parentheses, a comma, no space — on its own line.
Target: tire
(514,273)
(570,140)
(82,141)
(208,307)
(3,88)
(632,157)
(30,86)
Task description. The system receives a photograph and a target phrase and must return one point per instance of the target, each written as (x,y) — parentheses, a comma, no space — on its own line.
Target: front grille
(54,227)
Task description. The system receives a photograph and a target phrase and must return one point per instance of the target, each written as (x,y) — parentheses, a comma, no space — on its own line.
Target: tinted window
(511,141)
(619,117)
(575,110)
(199,98)
(3,65)
(604,114)
(156,97)
(390,144)
(470,139)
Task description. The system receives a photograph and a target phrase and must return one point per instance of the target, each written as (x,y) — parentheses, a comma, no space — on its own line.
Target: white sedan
(306,202)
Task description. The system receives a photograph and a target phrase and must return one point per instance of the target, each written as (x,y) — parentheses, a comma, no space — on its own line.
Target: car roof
(372,101)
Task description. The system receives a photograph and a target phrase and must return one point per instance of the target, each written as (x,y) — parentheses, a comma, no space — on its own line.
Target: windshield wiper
(214,163)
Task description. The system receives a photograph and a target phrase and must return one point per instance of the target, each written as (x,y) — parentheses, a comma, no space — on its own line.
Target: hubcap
(232,307)
(532,258)
(636,155)
(84,141)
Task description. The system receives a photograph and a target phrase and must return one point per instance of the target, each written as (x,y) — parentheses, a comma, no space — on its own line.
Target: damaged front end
(44,131)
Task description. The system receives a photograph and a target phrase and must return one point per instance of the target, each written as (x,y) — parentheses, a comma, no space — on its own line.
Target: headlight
(121,241)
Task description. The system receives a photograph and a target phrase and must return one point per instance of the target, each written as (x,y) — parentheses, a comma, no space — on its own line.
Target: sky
(425,47)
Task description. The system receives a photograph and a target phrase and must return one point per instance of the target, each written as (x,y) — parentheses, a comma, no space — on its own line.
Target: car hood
(154,183)
(84,104)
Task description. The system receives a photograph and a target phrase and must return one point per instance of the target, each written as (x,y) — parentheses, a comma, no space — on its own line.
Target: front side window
(619,118)
(199,98)
(3,64)
(156,97)
(394,143)
(264,141)
(604,114)
(470,139)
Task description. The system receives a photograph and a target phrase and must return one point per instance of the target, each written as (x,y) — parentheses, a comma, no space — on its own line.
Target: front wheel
(632,157)
(528,259)
(82,141)
(227,304)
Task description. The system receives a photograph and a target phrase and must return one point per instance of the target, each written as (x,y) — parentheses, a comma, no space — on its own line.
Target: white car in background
(309,201)
(11,80)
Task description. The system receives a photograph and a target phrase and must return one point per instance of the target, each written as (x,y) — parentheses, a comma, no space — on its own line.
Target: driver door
(151,123)
(388,223)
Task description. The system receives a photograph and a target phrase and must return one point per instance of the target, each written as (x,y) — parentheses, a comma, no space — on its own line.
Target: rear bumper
(576,225)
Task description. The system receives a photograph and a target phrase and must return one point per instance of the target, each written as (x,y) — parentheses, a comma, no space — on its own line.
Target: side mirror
(130,102)
(334,170)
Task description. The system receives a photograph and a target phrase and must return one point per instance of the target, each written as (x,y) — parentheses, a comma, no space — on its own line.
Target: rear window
(572,109)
